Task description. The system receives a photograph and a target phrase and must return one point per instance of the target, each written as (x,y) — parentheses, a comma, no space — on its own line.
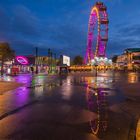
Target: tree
(114,58)
(6,54)
(78,60)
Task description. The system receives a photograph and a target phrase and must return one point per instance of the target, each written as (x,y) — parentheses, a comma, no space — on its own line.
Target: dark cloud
(62,26)
(24,21)
(124,35)
(5,24)
(4,20)
(71,38)
(28,48)
(130,30)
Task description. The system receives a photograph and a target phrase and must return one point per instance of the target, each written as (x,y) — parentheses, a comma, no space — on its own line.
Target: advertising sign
(22,60)
(66,60)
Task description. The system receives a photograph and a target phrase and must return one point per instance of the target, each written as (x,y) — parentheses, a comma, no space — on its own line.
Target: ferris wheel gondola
(97,32)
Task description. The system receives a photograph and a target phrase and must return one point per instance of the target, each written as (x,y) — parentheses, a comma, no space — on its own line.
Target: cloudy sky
(62,25)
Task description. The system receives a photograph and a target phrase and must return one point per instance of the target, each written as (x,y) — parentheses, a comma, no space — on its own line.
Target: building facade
(130,59)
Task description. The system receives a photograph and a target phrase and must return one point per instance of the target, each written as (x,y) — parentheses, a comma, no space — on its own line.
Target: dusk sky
(62,25)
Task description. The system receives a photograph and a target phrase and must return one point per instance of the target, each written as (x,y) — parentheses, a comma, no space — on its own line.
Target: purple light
(22,60)
(96,45)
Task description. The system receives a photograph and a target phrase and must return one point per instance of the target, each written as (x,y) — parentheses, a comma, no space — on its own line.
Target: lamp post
(96,65)
(36,60)
(49,51)
(55,60)
(51,54)
(96,69)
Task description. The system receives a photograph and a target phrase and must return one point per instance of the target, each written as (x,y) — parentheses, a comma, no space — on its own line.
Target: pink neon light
(22,60)
(96,16)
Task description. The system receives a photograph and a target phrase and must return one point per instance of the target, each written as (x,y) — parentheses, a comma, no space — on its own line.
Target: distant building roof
(132,50)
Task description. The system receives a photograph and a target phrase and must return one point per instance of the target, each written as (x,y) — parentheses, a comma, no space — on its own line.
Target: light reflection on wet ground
(95,94)
(98,103)
(33,88)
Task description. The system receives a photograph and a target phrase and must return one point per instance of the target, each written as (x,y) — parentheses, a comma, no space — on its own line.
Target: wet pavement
(79,106)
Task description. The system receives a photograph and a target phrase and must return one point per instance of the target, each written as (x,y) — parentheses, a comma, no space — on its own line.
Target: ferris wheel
(97,32)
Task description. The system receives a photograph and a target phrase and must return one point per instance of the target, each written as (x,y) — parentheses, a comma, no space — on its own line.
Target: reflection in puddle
(39,91)
(23,79)
(138,131)
(67,89)
(98,81)
(133,78)
(6,78)
(22,96)
(97,102)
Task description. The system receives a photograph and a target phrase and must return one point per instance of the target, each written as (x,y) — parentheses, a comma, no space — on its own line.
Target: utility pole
(51,61)
(36,59)
(49,53)
(55,61)
(55,57)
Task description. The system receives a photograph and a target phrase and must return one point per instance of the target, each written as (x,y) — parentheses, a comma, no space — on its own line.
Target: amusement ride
(97,39)
(97,34)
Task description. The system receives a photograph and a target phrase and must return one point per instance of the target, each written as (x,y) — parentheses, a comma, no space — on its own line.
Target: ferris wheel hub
(97,41)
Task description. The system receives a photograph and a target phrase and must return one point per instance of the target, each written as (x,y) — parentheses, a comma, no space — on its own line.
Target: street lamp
(95,63)
(55,61)
(49,52)
(96,69)
(50,55)
(36,59)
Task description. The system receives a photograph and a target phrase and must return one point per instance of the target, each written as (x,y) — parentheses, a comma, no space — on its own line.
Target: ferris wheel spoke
(98,21)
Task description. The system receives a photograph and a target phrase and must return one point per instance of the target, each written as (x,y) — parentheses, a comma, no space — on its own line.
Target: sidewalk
(6,86)
(48,120)
(131,105)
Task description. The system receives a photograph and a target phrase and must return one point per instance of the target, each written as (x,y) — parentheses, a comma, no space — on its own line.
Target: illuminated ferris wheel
(97,32)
